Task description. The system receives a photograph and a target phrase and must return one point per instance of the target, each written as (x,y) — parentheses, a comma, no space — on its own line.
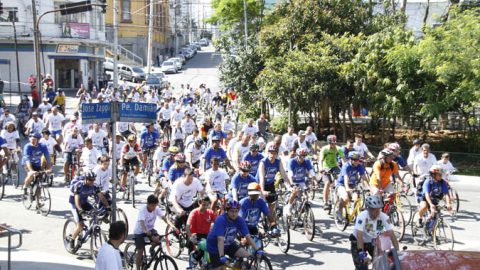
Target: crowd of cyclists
(215,180)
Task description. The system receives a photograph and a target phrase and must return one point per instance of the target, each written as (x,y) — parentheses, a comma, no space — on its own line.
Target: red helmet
(273,148)
(179,157)
(302,151)
(165,143)
(332,139)
(394,147)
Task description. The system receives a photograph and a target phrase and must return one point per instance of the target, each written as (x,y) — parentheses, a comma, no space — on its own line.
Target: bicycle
(436,228)
(410,181)
(176,242)
(302,214)
(331,176)
(149,166)
(267,237)
(403,203)
(130,188)
(73,167)
(92,232)
(156,254)
(220,203)
(349,211)
(315,186)
(396,217)
(11,175)
(38,192)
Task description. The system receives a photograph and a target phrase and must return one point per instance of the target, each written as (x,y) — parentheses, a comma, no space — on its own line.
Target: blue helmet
(353,155)
(231,204)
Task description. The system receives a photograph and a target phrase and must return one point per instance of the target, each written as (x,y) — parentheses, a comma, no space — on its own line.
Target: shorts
(67,156)
(301,185)
(230,251)
(253,230)
(388,189)
(130,162)
(75,213)
(55,133)
(196,164)
(140,242)
(164,123)
(335,171)
(435,201)
(272,196)
(342,192)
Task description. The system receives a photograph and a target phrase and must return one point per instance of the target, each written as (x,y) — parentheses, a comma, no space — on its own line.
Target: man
(144,227)
(228,124)
(362,148)
(177,115)
(194,153)
(299,171)
(55,124)
(253,157)
(108,257)
(310,136)
(215,151)
(7,117)
(329,164)
(252,208)
(240,182)
(414,152)
(301,142)
(205,128)
(187,124)
(71,146)
(249,129)
(199,223)
(98,136)
(288,138)
(215,179)
(241,149)
(90,155)
(104,176)
(369,224)
(148,141)
(263,126)
(130,157)
(44,107)
(424,161)
(382,171)
(32,158)
(221,240)
(347,148)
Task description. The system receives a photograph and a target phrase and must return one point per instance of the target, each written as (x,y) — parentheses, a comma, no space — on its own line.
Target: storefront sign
(67,48)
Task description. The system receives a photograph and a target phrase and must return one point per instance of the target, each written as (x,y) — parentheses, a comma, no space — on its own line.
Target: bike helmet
(199,141)
(394,147)
(231,204)
(332,139)
(302,151)
(353,155)
(254,189)
(165,143)
(254,147)
(90,175)
(417,141)
(180,157)
(173,150)
(273,148)
(245,166)
(132,137)
(435,169)
(35,135)
(216,138)
(385,153)
(373,201)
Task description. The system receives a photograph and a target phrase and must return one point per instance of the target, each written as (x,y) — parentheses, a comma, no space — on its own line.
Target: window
(9,14)
(126,11)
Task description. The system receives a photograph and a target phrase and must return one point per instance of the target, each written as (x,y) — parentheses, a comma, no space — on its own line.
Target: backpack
(420,183)
(76,181)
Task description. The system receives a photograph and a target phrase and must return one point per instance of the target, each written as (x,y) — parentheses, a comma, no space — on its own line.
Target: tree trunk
(344,126)
(404,6)
(427,9)
(324,119)
(352,124)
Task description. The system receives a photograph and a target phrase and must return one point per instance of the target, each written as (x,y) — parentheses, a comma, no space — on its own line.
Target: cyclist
(401,162)
(301,142)
(382,172)
(240,181)
(215,179)
(329,155)
(166,164)
(130,157)
(59,100)
(119,143)
(148,141)
(12,140)
(178,136)
(6,154)
(267,170)
(160,153)
(431,190)
(32,158)
(24,109)
(50,143)
(44,107)
(90,155)
(346,149)
(413,152)
(54,122)
(72,144)
(348,179)
(98,136)
(35,124)
(369,224)
(424,161)
(177,170)
(250,128)
(288,138)
(144,227)
(263,126)
(217,132)
(241,148)
(199,223)
(205,128)
(215,151)
(299,170)
(446,165)
(188,125)
(221,240)
(165,114)
(7,117)
(362,148)
(81,188)
(194,152)
(183,192)
(311,137)
(103,177)
(253,157)
(252,207)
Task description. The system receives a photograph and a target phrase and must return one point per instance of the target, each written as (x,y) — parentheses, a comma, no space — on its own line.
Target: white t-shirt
(311,138)
(191,110)
(97,137)
(177,134)
(166,114)
(188,125)
(50,143)
(43,108)
(122,126)
(362,149)
(287,141)
(108,258)
(195,152)
(422,165)
(119,147)
(176,117)
(103,178)
(72,143)
(148,218)
(240,150)
(184,194)
(412,154)
(35,126)
(231,147)
(227,126)
(247,130)
(11,138)
(371,228)
(217,179)
(447,168)
(55,121)
(159,155)
(89,157)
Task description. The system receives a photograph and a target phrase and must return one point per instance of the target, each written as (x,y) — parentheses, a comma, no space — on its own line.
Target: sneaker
(25,191)
(420,223)
(71,242)
(339,215)
(327,207)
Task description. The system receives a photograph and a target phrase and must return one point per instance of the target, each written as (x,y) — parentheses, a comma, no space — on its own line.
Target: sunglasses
(354,159)
(90,180)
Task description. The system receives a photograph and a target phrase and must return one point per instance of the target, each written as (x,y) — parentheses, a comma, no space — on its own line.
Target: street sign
(96,112)
(137,112)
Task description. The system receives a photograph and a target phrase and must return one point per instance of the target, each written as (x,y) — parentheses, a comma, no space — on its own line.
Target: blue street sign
(137,112)
(96,112)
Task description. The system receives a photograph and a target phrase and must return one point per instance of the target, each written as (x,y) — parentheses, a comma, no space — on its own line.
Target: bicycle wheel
(405,206)
(2,186)
(343,223)
(309,223)
(27,199)
(129,255)
(173,242)
(455,199)
(262,263)
(132,186)
(50,180)
(121,216)
(97,239)
(407,178)
(68,229)
(44,201)
(283,240)
(443,236)
(165,262)
(398,222)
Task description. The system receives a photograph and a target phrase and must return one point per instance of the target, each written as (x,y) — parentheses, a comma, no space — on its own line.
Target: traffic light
(1,8)
(72,8)
(104,6)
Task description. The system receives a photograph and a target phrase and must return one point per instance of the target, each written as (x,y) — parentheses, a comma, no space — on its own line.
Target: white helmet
(373,201)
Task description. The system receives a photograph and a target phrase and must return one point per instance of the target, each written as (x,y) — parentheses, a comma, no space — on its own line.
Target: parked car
(153,82)
(138,74)
(193,48)
(169,67)
(187,53)
(204,42)
(108,64)
(162,77)
(124,72)
(177,61)
(197,45)
(182,58)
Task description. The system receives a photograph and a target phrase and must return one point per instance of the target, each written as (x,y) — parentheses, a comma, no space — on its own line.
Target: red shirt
(200,222)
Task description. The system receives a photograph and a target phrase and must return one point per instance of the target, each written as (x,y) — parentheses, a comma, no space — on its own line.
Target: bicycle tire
(163,261)
(407,178)
(455,199)
(309,223)
(27,199)
(262,263)
(441,232)
(50,180)
(283,240)
(173,243)
(44,200)
(398,222)
(340,224)
(68,232)
(121,216)
(15,180)
(132,186)
(2,187)
(129,255)
(406,208)
(97,239)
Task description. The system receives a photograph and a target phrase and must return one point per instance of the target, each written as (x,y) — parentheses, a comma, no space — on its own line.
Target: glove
(223,259)
(362,255)
(259,252)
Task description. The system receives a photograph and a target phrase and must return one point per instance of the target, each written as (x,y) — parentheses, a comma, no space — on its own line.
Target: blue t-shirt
(254,161)
(435,189)
(210,153)
(251,213)
(353,173)
(148,139)
(175,173)
(271,170)
(228,229)
(166,164)
(401,162)
(218,133)
(79,187)
(33,155)
(299,170)
(241,184)
(3,142)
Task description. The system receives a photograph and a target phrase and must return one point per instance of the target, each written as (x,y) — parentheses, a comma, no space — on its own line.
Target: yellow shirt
(59,100)
(385,173)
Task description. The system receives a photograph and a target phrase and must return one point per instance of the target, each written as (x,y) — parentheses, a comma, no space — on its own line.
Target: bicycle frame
(356,207)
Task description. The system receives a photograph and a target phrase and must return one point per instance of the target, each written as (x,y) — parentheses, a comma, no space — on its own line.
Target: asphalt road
(42,236)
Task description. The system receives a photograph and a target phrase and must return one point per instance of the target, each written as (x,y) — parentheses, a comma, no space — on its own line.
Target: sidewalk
(30,260)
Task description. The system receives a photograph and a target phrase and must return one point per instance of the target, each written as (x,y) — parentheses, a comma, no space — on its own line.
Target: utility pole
(175,26)
(115,46)
(13,18)
(245,21)
(36,48)
(150,38)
